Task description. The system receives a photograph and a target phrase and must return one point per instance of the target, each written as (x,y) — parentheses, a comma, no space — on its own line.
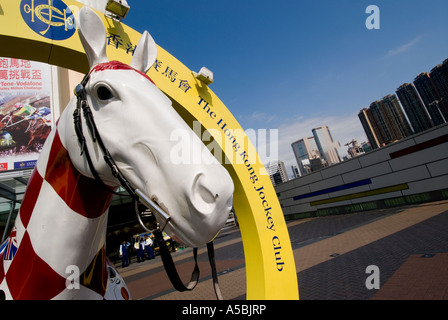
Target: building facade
(304,150)
(431,98)
(398,125)
(326,145)
(316,152)
(277,172)
(354,149)
(295,171)
(439,75)
(389,120)
(371,129)
(420,106)
(414,108)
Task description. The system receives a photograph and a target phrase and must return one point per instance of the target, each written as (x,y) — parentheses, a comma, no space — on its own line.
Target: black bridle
(83,108)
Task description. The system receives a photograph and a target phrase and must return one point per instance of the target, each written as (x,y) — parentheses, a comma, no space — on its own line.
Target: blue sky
(293,65)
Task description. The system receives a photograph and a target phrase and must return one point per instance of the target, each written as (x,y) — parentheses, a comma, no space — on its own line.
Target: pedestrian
(124,254)
(149,248)
(142,247)
(130,251)
(139,248)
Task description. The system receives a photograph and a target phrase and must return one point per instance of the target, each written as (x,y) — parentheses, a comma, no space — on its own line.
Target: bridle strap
(82,105)
(172,273)
(170,267)
(211,259)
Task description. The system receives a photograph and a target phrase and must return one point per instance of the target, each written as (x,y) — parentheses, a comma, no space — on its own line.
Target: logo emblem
(9,247)
(51,19)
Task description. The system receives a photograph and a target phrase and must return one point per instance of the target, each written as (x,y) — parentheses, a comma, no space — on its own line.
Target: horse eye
(104,93)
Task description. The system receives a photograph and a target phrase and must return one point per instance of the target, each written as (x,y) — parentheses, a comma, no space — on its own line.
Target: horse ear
(93,36)
(145,54)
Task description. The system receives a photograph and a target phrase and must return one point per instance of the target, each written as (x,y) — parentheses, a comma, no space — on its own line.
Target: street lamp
(117,9)
(205,76)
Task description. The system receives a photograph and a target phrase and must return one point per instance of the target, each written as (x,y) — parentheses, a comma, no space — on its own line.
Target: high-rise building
(439,76)
(371,129)
(425,103)
(354,149)
(384,122)
(277,172)
(435,110)
(316,152)
(397,127)
(326,145)
(385,137)
(295,171)
(305,149)
(431,98)
(414,108)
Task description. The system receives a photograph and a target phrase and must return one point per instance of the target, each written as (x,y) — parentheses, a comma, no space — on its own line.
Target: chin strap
(211,259)
(83,107)
(170,267)
(174,275)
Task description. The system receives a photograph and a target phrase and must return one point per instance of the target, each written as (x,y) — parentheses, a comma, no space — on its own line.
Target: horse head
(135,120)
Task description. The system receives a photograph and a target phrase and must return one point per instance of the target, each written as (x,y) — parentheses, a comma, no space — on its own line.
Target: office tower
(388,120)
(354,149)
(425,103)
(317,163)
(366,146)
(435,111)
(439,76)
(394,118)
(430,97)
(326,145)
(385,137)
(305,149)
(295,171)
(370,128)
(413,107)
(277,172)
(400,127)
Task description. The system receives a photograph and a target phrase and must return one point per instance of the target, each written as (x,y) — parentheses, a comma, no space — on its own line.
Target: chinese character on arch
(170,73)
(114,40)
(184,85)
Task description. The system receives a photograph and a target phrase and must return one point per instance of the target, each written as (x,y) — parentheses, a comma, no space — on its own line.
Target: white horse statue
(56,249)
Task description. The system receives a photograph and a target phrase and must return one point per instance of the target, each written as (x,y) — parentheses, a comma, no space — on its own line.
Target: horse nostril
(202,191)
(230,202)
(208,196)
(202,198)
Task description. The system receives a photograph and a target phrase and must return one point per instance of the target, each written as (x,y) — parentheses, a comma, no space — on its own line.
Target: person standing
(149,248)
(138,250)
(124,254)
(140,247)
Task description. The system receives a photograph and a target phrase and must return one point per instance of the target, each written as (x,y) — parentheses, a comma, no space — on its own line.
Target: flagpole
(5,232)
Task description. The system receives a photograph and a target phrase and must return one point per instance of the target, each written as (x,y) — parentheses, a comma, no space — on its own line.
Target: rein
(82,107)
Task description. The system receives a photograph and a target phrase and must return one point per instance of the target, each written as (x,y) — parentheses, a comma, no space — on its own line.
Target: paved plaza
(409,245)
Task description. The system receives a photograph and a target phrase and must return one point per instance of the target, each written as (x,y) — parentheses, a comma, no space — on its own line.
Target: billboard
(25,112)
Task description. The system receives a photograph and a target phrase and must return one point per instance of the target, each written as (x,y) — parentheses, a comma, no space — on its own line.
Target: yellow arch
(270,266)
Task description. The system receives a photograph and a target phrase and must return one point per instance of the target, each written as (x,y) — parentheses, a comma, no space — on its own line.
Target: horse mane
(117,65)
